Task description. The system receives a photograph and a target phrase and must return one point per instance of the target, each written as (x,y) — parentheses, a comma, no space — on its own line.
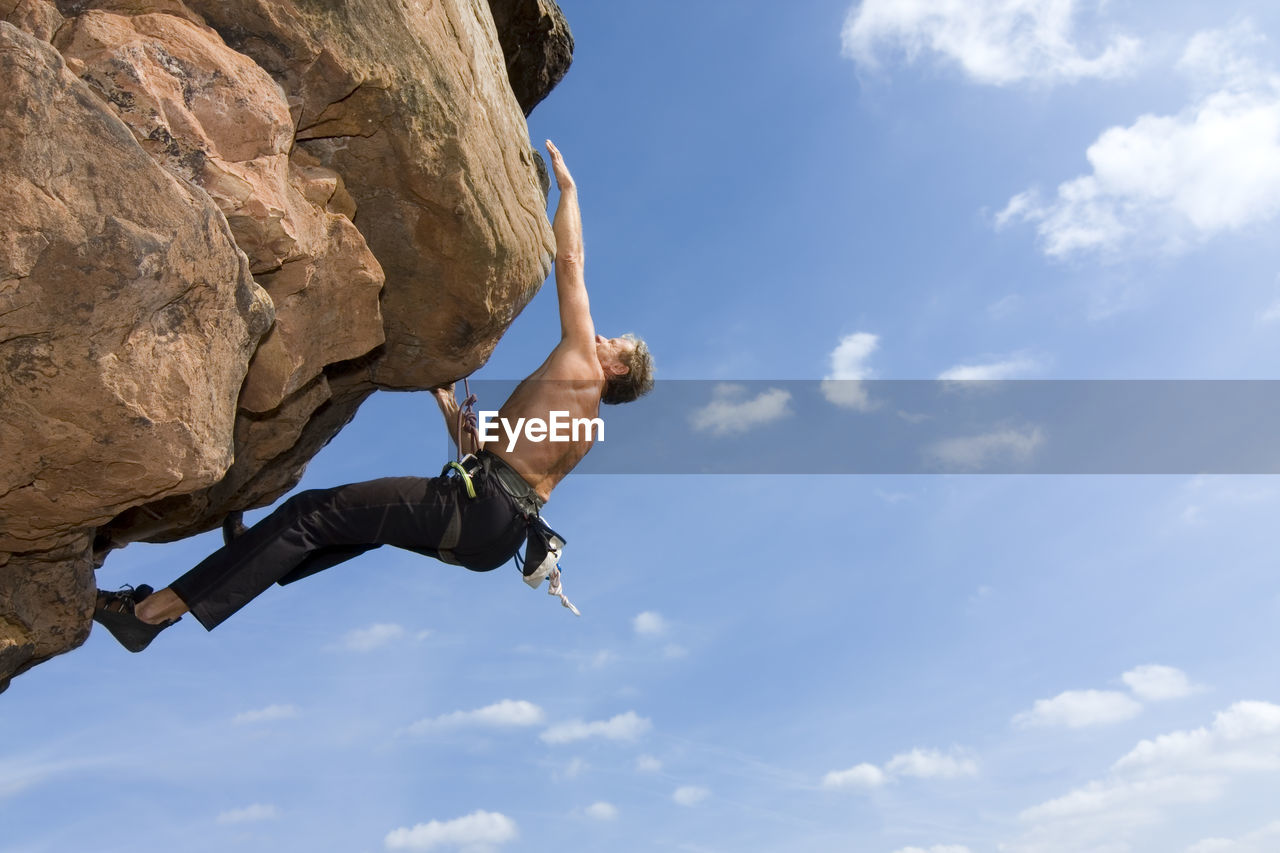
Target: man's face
(611,350)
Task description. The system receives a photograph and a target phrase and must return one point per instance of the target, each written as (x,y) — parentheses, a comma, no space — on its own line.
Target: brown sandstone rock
(127,315)
(214,117)
(445,191)
(410,103)
(119,286)
(46,599)
(39,18)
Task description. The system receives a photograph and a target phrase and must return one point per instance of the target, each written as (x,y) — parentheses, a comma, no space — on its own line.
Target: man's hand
(563,179)
(444,393)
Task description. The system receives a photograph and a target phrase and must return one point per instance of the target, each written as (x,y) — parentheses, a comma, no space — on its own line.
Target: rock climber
(437,516)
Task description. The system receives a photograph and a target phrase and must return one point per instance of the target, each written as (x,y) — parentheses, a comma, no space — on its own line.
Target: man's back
(566,382)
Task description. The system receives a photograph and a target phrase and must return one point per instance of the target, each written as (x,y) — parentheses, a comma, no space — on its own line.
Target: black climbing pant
(317,529)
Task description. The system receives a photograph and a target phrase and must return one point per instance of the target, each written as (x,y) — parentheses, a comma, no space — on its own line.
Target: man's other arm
(450,410)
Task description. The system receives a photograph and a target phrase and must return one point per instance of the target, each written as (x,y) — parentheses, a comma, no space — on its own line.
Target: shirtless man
(438,517)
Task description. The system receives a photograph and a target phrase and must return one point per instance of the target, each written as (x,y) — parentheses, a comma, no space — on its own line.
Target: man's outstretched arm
(576,326)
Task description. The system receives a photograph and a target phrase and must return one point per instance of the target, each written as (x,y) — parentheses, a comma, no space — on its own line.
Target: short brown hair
(637,381)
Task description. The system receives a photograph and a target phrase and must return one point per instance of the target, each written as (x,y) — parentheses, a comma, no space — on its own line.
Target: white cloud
(649,624)
(1008,368)
(648,764)
(478,830)
(266,715)
(1246,736)
(19,773)
(1128,801)
(1264,840)
(1271,314)
(937,848)
(918,763)
(673,651)
(506,714)
(843,385)
(373,637)
(1215,59)
(690,795)
(626,726)
(975,452)
(730,411)
(996,42)
(601,659)
(249,814)
(931,764)
(1167,182)
(1156,683)
(602,811)
(1079,708)
(575,768)
(1156,779)
(864,776)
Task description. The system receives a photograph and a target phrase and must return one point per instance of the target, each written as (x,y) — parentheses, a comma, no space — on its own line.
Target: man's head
(628,368)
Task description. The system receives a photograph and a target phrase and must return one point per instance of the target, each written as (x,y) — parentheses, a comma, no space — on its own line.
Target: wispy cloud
(690,795)
(600,659)
(506,714)
(843,385)
(249,814)
(731,411)
(1010,367)
(20,773)
(373,637)
(1080,708)
(993,41)
(937,848)
(268,714)
(1264,840)
(627,726)
(1168,182)
(648,764)
(575,768)
(476,830)
(1271,314)
(975,452)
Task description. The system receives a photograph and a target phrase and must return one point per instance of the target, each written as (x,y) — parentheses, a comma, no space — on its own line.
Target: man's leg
(310,531)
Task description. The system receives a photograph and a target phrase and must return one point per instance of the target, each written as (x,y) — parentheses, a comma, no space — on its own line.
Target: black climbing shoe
(114,611)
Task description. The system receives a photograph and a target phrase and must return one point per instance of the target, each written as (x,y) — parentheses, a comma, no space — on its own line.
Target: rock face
(538,46)
(222,226)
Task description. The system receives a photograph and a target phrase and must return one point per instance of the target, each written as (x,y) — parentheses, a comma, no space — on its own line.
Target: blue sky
(1042,189)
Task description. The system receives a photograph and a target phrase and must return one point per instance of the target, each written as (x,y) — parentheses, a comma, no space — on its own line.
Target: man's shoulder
(569,361)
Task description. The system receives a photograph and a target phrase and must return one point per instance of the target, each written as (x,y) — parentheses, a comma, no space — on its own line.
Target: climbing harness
(542,551)
(543,546)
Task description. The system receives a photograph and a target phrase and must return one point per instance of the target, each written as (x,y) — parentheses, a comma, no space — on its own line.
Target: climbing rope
(467,421)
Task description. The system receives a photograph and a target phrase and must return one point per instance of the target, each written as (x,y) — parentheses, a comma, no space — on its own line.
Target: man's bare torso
(565,382)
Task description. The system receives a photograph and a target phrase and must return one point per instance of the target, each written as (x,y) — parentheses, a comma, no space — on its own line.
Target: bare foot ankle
(159,607)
